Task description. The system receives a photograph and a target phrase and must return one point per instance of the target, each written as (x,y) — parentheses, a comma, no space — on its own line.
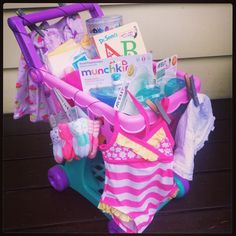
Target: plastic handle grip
(94,9)
(17,25)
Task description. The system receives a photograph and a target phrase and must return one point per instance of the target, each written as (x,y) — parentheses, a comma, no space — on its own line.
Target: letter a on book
(110,51)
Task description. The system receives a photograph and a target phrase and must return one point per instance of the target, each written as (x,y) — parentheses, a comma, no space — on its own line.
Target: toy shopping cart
(86,176)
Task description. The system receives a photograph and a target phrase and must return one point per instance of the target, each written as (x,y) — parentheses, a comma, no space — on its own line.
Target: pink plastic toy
(87,175)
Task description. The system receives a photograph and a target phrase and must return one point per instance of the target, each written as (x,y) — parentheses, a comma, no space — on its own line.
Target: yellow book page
(59,62)
(67,46)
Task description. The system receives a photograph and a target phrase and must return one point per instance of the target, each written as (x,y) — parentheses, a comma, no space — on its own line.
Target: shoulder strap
(140,109)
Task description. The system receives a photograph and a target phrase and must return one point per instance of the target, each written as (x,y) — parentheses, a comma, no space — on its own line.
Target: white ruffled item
(192,131)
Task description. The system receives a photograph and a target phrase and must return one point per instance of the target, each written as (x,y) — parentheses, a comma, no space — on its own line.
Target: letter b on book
(129,46)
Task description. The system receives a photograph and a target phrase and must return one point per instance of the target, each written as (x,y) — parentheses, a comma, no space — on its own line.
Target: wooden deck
(31,205)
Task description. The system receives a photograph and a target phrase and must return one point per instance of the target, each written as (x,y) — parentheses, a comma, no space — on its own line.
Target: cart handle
(17,25)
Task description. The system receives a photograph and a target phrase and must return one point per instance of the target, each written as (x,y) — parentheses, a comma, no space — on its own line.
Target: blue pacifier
(174,85)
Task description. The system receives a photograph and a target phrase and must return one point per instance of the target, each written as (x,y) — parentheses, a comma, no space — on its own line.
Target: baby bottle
(144,86)
(116,82)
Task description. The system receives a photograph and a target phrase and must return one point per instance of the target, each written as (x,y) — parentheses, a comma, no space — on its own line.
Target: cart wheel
(113,228)
(182,184)
(57,178)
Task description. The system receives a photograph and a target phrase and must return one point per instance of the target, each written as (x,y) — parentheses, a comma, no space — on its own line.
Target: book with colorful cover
(121,41)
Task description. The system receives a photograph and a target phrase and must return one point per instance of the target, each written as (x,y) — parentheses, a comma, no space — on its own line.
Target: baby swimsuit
(138,175)
(192,131)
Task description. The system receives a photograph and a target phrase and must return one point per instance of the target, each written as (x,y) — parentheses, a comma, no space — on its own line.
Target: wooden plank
(222,109)
(206,190)
(27,146)
(212,157)
(33,208)
(46,206)
(23,126)
(209,221)
(36,145)
(34,173)
(87,226)
(222,131)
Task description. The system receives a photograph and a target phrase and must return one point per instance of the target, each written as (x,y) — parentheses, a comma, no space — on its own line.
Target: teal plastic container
(86,176)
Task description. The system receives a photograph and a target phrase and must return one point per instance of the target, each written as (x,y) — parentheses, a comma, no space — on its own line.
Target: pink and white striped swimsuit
(138,176)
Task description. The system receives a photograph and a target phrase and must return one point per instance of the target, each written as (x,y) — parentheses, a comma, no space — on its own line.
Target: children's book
(124,40)
(62,57)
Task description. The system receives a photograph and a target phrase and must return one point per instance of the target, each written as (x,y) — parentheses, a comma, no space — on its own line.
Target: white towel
(192,131)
